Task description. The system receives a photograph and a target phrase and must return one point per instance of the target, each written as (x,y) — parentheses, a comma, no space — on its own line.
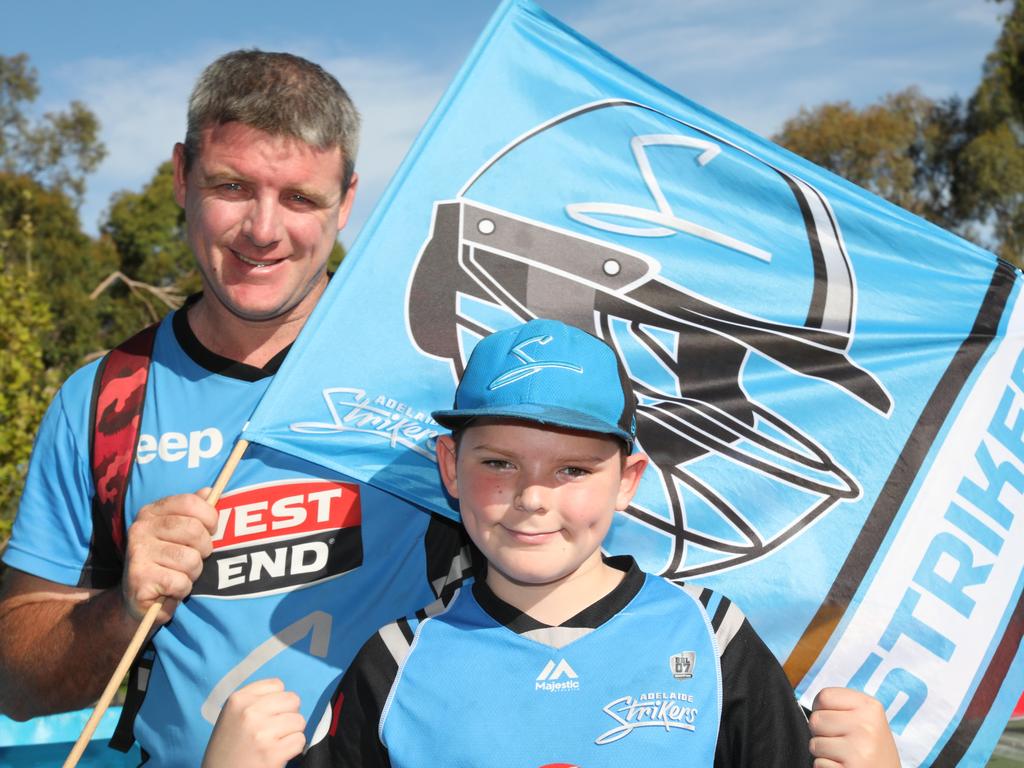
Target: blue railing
(46,742)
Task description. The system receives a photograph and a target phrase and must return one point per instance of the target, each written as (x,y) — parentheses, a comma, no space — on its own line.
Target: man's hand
(259,727)
(849,730)
(166,547)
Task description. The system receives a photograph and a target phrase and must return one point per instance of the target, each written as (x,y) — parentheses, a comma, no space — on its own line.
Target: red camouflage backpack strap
(119,392)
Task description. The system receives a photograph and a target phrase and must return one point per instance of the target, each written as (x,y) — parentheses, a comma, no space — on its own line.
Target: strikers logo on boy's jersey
(280,536)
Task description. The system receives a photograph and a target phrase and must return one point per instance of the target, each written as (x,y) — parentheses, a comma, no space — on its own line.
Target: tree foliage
(990,184)
(25,384)
(155,269)
(48,324)
(902,148)
(60,149)
(50,248)
(147,228)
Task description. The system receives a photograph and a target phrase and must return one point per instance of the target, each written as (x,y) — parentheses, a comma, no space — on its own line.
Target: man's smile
(254,262)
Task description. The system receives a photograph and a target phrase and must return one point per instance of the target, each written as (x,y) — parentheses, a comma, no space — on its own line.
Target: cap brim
(554,417)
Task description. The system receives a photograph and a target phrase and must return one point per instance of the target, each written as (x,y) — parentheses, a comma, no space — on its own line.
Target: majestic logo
(671,711)
(546,680)
(530,365)
(682,664)
(711,272)
(280,536)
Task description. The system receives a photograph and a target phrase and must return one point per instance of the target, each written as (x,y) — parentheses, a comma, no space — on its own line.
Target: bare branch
(170,297)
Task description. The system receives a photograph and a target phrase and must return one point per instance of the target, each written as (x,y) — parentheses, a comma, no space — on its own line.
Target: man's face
(263,213)
(537,501)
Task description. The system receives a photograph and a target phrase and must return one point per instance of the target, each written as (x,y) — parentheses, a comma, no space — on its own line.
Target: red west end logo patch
(282,536)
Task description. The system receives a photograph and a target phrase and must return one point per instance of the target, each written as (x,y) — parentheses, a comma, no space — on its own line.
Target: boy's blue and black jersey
(306,563)
(651,674)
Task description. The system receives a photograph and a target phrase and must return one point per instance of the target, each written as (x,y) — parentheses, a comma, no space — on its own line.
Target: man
(299,567)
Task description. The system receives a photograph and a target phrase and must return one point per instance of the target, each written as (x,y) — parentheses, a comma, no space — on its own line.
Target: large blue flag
(831,388)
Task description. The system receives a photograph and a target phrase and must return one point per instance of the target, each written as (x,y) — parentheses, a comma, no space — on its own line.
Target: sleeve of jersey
(449,556)
(762,724)
(53,530)
(348,733)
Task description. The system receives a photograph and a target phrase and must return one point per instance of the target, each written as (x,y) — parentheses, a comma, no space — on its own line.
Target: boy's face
(537,501)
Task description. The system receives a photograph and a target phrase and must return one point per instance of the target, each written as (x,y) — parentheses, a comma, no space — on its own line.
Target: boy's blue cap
(547,372)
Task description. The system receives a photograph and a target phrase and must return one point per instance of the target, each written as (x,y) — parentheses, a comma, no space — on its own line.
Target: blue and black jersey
(653,673)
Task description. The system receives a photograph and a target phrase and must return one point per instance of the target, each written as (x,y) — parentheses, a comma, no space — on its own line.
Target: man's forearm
(57,654)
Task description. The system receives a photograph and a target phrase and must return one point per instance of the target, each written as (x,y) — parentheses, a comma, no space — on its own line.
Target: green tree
(144,232)
(337,256)
(147,228)
(990,182)
(60,149)
(43,166)
(903,148)
(25,384)
(49,247)
(47,322)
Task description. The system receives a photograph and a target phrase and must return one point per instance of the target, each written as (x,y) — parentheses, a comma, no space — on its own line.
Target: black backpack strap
(138,681)
(119,392)
(115,419)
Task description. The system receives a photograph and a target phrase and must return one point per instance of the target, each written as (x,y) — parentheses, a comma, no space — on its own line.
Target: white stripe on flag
(920,618)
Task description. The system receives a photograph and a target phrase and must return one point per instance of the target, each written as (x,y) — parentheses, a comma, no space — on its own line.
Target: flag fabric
(831,389)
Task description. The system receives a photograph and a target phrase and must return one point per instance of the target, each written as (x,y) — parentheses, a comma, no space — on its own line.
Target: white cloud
(987,15)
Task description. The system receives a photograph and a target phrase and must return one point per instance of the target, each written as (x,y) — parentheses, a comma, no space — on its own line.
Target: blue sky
(754,61)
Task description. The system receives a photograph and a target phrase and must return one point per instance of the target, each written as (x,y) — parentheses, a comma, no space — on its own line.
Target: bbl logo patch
(682,664)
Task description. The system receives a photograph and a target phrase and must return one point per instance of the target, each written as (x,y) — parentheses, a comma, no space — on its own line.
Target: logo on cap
(530,365)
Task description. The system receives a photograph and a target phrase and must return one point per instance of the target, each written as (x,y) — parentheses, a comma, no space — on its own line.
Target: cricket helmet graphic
(651,233)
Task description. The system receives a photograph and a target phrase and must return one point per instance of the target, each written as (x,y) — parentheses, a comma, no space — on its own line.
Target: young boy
(558,656)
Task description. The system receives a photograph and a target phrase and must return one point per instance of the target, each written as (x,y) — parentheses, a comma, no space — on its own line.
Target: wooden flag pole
(144,626)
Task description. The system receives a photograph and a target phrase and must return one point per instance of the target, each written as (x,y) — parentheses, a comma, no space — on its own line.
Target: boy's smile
(538,502)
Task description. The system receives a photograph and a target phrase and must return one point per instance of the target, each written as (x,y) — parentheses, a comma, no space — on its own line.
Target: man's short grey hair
(279,93)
